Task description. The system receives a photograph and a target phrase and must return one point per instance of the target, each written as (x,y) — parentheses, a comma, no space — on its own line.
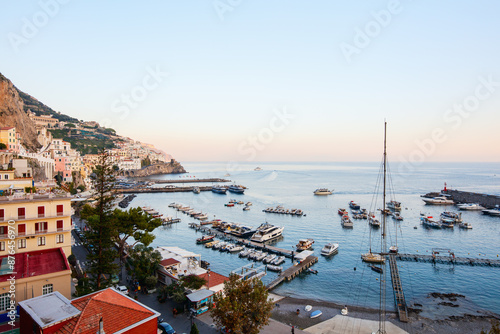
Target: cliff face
(12,114)
(163,168)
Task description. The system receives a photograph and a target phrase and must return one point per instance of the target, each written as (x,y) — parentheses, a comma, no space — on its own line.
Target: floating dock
(293,271)
(399,296)
(448,260)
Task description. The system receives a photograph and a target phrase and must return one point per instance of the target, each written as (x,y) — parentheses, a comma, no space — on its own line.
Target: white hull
(268,234)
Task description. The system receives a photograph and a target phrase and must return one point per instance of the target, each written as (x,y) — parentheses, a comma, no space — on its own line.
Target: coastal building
(63,168)
(35,274)
(10,183)
(21,168)
(10,138)
(46,121)
(105,311)
(35,221)
(129,164)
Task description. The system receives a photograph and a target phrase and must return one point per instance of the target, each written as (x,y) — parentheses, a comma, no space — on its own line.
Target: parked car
(115,279)
(122,288)
(166,328)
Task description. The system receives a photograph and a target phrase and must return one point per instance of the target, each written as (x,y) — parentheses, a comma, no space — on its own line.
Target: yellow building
(33,274)
(9,138)
(35,222)
(8,181)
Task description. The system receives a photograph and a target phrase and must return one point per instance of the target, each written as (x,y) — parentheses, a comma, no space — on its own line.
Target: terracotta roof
(215,279)
(7,128)
(169,262)
(37,263)
(116,310)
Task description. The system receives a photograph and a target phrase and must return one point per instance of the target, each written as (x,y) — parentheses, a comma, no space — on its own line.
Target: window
(41,227)
(21,213)
(2,246)
(41,211)
(47,288)
(21,229)
(60,225)
(60,238)
(2,215)
(21,243)
(41,241)
(4,301)
(4,230)
(60,210)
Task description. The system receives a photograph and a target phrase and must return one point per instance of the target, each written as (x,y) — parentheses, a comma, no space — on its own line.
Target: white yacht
(266,232)
(470,207)
(440,200)
(330,249)
(394,205)
(323,191)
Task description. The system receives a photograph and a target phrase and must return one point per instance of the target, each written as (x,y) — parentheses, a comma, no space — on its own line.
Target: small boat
(257,168)
(312,271)
(393,249)
(196,190)
(245,252)
(236,189)
(377,269)
(202,216)
(240,202)
(470,207)
(330,249)
(323,191)
(354,206)
(219,190)
(211,243)
(172,205)
(279,260)
(269,259)
(219,245)
(308,308)
(260,256)
(429,222)
(235,249)
(347,222)
(304,244)
(374,222)
(342,212)
(229,204)
(344,311)
(246,208)
(248,204)
(372,257)
(204,239)
(440,200)
(316,314)
(492,212)
(397,216)
(465,226)
(274,268)
(394,205)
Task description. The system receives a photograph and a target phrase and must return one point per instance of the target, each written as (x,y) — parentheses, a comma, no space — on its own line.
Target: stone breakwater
(172,167)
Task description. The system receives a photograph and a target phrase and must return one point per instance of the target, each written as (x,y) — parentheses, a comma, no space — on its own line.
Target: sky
(268,80)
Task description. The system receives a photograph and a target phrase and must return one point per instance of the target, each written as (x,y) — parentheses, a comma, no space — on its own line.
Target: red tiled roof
(215,279)
(7,128)
(169,262)
(37,263)
(116,310)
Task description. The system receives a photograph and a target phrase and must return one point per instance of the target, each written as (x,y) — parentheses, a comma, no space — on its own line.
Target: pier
(293,271)
(141,190)
(488,201)
(450,259)
(399,296)
(189,180)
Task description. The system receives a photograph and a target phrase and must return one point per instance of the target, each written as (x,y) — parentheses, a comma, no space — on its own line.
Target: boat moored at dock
(236,189)
(266,232)
(440,200)
(219,190)
(304,244)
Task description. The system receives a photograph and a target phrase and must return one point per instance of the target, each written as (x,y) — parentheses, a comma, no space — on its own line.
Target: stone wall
(172,167)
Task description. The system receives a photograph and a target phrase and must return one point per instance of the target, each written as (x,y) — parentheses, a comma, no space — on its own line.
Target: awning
(199,295)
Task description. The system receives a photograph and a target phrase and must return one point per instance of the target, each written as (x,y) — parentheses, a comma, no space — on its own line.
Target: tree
(150,282)
(145,261)
(100,231)
(243,306)
(194,329)
(3,146)
(193,282)
(495,329)
(133,223)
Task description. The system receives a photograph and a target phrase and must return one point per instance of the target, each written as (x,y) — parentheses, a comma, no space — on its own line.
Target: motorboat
(465,226)
(440,200)
(278,260)
(270,258)
(377,269)
(347,222)
(204,239)
(304,244)
(354,206)
(236,189)
(219,245)
(342,212)
(196,190)
(374,222)
(261,256)
(397,216)
(235,248)
(323,191)
(219,190)
(470,207)
(274,268)
(451,217)
(245,252)
(202,216)
(492,212)
(428,221)
(240,202)
(211,243)
(242,231)
(257,168)
(393,249)
(266,232)
(248,204)
(246,208)
(394,205)
(446,224)
(329,249)
(372,257)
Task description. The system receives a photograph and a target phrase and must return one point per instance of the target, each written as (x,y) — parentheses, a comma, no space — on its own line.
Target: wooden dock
(448,260)
(399,296)
(293,271)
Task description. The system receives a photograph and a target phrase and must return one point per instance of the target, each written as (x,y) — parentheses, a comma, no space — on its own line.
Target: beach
(285,311)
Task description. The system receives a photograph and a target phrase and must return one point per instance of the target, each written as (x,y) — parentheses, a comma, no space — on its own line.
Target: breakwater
(160,190)
(488,201)
(190,180)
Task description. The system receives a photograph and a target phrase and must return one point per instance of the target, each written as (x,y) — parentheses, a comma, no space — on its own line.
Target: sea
(343,278)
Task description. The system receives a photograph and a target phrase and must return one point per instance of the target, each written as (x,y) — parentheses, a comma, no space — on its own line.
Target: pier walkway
(448,260)
(140,190)
(293,271)
(190,180)
(399,296)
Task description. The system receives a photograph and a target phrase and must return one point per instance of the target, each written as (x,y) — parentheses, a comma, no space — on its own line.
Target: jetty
(488,201)
(448,259)
(143,190)
(397,288)
(293,271)
(189,180)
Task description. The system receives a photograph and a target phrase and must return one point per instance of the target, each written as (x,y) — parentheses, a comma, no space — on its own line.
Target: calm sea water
(292,185)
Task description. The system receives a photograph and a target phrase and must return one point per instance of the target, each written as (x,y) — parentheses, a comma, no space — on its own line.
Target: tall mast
(381,325)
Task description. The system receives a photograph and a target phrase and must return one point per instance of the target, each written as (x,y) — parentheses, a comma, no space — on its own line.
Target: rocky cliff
(172,167)
(12,114)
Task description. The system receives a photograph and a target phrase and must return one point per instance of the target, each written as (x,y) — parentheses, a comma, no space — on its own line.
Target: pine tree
(101,231)
(194,329)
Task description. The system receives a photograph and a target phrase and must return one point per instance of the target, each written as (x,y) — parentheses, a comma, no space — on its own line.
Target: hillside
(30,103)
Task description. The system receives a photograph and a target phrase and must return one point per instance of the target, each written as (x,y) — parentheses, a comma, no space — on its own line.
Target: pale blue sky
(227,77)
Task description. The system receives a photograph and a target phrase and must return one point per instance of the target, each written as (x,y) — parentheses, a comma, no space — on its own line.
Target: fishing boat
(329,249)
(323,191)
(229,204)
(196,190)
(304,244)
(236,189)
(394,205)
(354,206)
(373,221)
(204,239)
(347,222)
(342,212)
(266,232)
(219,190)
(440,200)
(428,221)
